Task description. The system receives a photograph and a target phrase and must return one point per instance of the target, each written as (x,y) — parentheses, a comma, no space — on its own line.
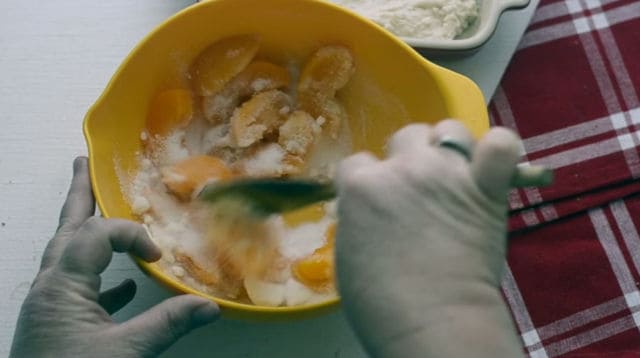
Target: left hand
(65,315)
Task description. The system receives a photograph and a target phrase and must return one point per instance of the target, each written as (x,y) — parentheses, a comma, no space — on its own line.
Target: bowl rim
(481,36)
(246,310)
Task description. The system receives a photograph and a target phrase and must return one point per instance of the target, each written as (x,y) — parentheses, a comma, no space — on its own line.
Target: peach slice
(334,115)
(257,117)
(311,213)
(317,270)
(259,76)
(195,270)
(264,293)
(298,133)
(169,110)
(191,174)
(216,65)
(325,72)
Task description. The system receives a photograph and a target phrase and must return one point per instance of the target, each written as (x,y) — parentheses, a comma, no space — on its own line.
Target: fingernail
(206,313)
(532,176)
(78,163)
(154,251)
(156,254)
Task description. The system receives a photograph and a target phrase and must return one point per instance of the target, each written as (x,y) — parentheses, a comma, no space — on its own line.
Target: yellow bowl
(393,85)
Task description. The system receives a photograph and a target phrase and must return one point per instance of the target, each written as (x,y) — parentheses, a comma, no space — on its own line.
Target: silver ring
(451,143)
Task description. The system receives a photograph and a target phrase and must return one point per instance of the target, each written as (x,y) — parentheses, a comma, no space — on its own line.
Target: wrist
(482,325)
(450,324)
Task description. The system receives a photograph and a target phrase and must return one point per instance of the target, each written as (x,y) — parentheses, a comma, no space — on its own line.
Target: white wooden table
(55,59)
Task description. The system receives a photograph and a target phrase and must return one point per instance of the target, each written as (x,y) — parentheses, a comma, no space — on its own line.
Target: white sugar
(260,84)
(140,205)
(303,240)
(266,162)
(172,149)
(215,138)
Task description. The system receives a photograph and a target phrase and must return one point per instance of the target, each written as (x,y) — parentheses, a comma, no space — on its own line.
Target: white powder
(177,271)
(220,105)
(169,174)
(219,102)
(193,136)
(173,149)
(260,84)
(266,162)
(173,226)
(216,138)
(140,205)
(296,294)
(331,208)
(285,110)
(303,240)
(426,19)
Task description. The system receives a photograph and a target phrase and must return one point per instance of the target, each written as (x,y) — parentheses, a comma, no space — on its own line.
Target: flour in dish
(424,19)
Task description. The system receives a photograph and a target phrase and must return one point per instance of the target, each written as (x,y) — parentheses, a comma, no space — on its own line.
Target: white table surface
(55,59)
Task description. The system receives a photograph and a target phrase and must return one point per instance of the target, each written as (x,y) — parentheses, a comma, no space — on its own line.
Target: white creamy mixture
(425,19)
(175,226)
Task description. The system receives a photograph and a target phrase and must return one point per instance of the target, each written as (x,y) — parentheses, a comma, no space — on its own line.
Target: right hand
(421,244)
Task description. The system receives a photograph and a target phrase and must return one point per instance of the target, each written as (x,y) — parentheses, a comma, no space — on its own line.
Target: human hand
(64,313)
(421,243)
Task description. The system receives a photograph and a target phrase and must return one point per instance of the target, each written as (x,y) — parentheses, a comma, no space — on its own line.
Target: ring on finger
(449,142)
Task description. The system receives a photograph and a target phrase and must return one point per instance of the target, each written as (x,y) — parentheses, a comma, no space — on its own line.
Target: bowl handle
(463,99)
(512,4)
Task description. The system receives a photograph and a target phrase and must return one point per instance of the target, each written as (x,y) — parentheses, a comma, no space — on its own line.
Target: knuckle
(65,223)
(140,233)
(65,228)
(46,286)
(93,223)
(359,180)
(407,166)
(174,325)
(360,189)
(412,133)
(433,172)
(41,279)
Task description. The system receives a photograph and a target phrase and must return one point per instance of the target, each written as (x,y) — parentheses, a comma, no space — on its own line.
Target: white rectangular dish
(478,33)
(436,25)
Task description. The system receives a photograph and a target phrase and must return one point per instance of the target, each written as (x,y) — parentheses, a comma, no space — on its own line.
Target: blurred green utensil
(273,196)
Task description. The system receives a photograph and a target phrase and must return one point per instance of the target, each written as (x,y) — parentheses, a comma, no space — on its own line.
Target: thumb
(157,329)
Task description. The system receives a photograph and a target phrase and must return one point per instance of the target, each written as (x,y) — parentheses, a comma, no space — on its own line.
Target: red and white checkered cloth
(572,92)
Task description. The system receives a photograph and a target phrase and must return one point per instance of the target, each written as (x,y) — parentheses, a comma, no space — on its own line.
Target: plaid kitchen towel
(572,93)
(573,285)
(522,219)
